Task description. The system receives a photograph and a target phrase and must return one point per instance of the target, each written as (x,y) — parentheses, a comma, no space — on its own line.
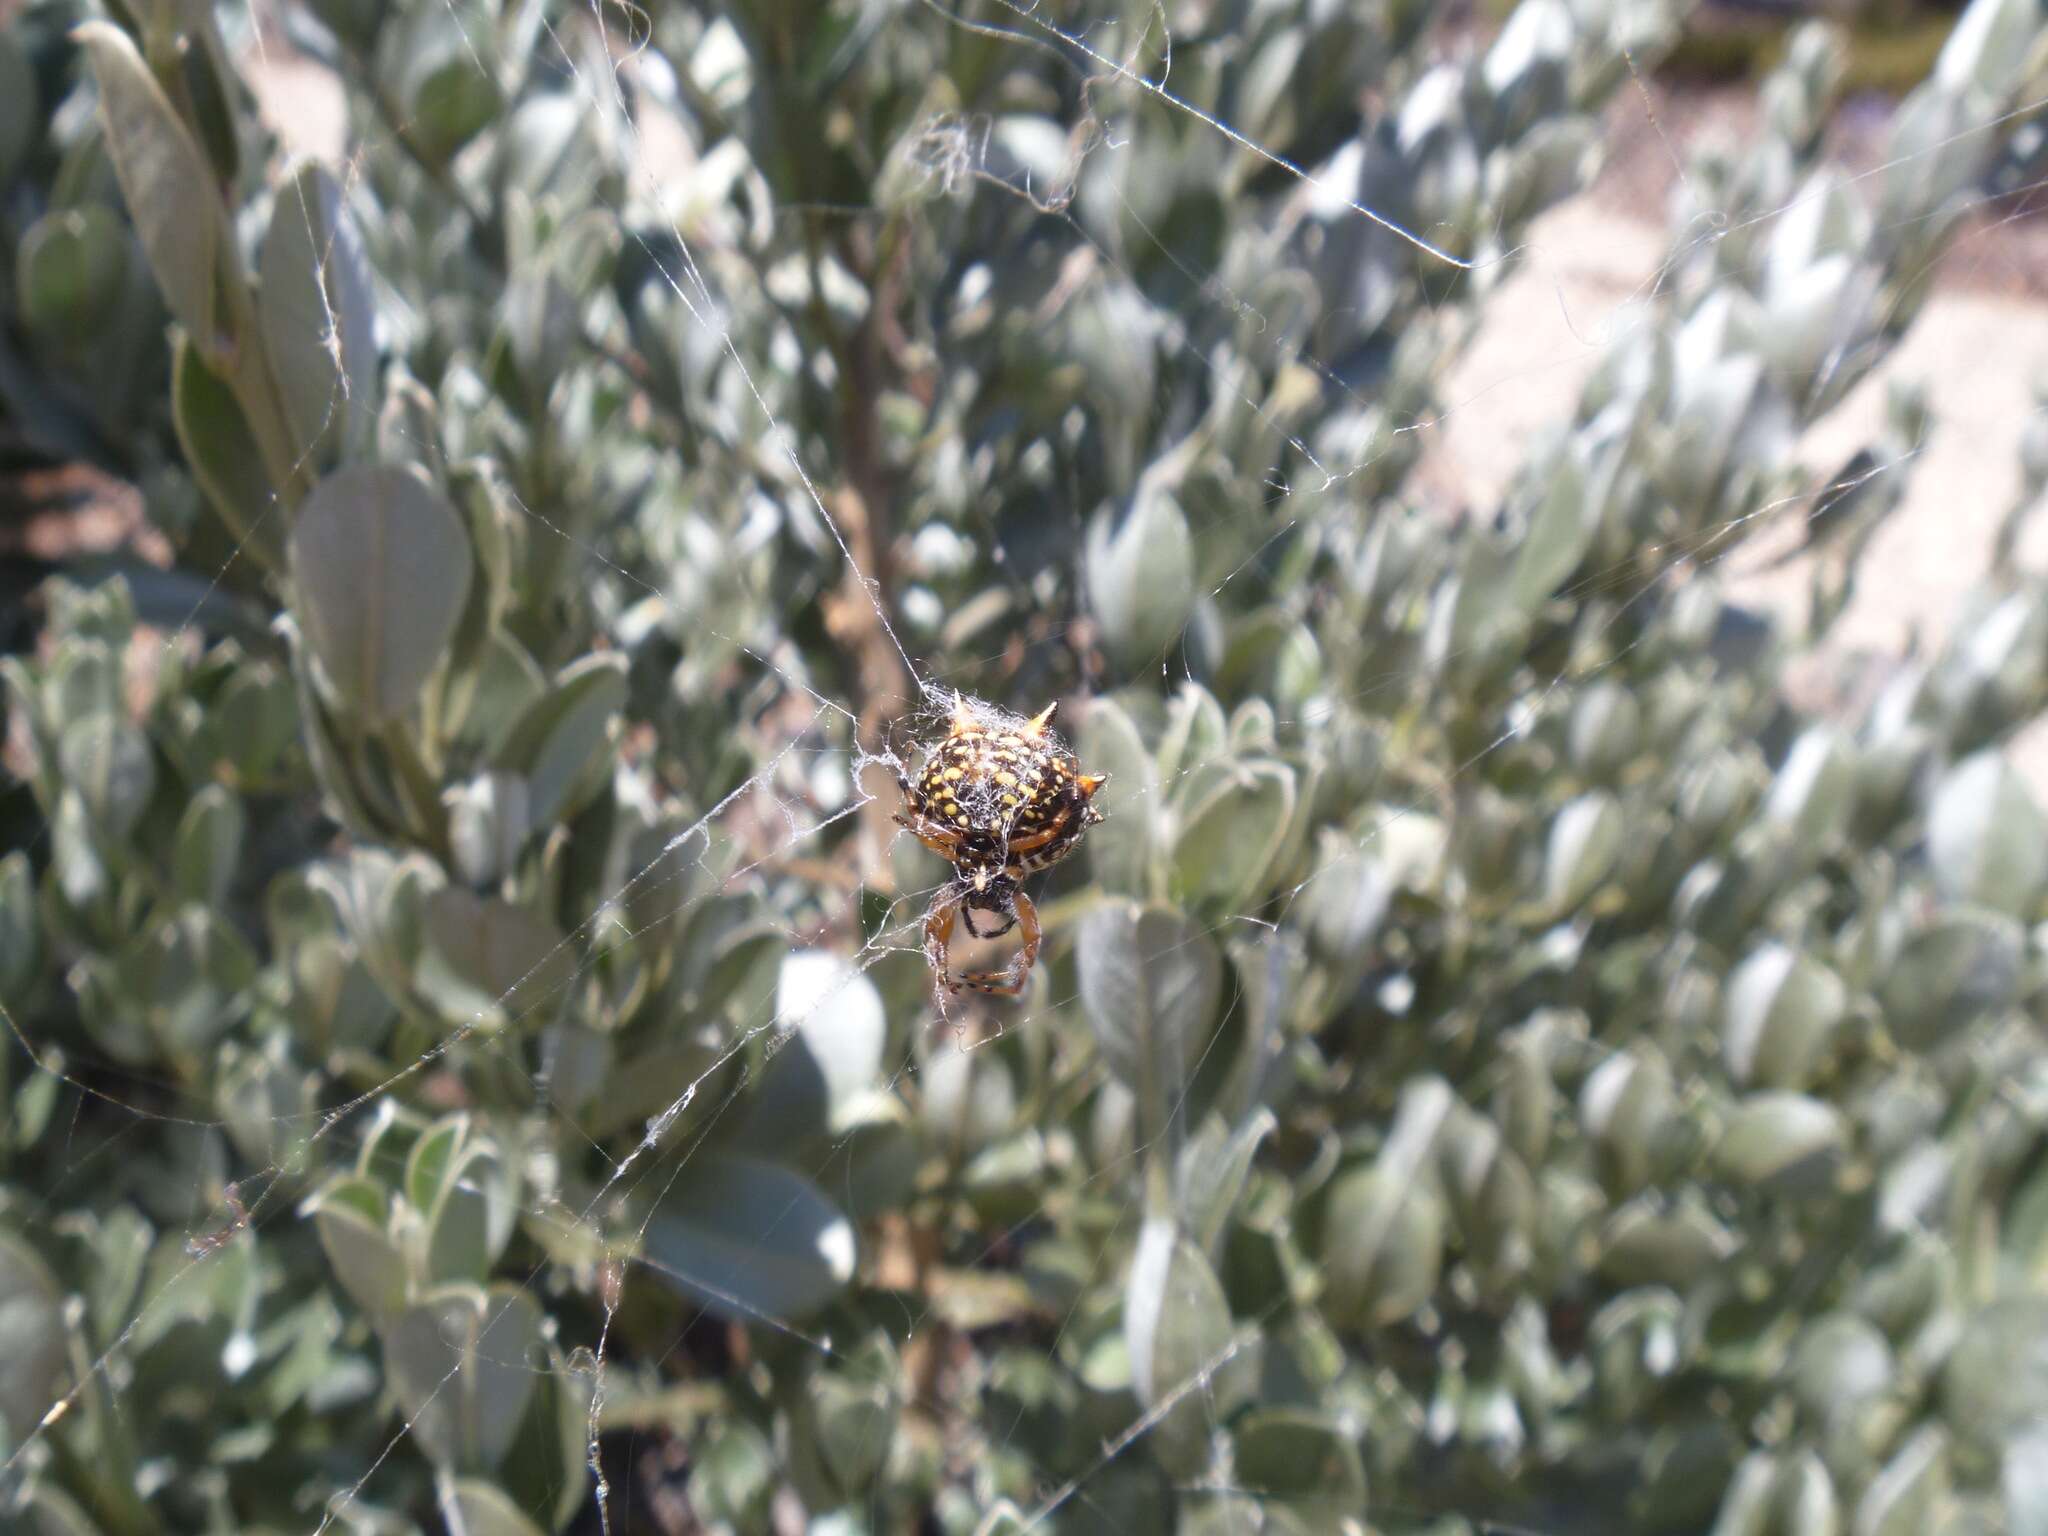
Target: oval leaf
(381,567)
(558,742)
(1141,576)
(169,189)
(1149,983)
(318,316)
(1178,1331)
(749,1240)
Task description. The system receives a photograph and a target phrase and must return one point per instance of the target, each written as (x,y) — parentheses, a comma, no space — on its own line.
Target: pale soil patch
(1976,347)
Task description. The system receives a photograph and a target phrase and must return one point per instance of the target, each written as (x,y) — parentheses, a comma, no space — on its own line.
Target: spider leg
(942,840)
(1010,981)
(1038,840)
(938,937)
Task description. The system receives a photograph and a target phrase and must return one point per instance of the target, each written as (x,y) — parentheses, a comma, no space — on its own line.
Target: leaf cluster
(469,1058)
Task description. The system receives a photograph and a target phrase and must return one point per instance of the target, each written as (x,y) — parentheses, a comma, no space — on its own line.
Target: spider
(998,803)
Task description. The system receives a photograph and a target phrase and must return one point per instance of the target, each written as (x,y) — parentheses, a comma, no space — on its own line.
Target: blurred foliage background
(1503,1063)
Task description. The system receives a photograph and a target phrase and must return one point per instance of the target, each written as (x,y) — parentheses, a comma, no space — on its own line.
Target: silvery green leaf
(427,1165)
(1826,219)
(1525,1101)
(409,426)
(389,1141)
(2024,1482)
(336,1002)
(1841,1360)
(1228,837)
(474,1507)
(258,720)
(20,942)
(1814,793)
(1995,663)
(510,954)
(1150,981)
(170,192)
(1383,1240)
(1536,42)
(1905,1496)
(1626,1104)
(318,316)
(380,565)
(1196,735)
(733,1474)
(1994,1382)
(1211,1172)
(1960,968)
(830,1062)
(1473,621)
(1585,842)
(1559,530)
(1112,1133)
(969,1098)
(559,742)
(1554,159)
(1805,1498)
(746,1239)
(1986,837)
(111,1016)
(429,62)
(1712,398)
(874,1163)
(31,1339)
(1120,850)
(463,1362)
(263,1099)
(1818,317)
(1745,1508)
(69,272)
(350,1215)
(110,763)
(1604,730)
(208,845)
(547,144)
(506,683)
(85,679)
(489,821)
(223,454)
(1780,1013)
(1178,1329)
(1254,728)
(1646,1243)
(468,1226)
(1351,892)
(1140,575)
(1298,1459)
(1988,51)
(1782,1141)
(852,1413)
(1001,1181)
(540,327)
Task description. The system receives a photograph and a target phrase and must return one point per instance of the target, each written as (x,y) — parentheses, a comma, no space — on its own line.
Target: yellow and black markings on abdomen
(1005,788)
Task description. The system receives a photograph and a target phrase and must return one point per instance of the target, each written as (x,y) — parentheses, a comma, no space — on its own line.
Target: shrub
(472,1058)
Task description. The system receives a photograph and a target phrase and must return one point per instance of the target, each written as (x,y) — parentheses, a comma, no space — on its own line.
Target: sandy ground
(1975,348)
(1973,352)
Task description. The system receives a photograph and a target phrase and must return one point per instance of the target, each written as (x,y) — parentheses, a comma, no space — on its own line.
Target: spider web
(819,739)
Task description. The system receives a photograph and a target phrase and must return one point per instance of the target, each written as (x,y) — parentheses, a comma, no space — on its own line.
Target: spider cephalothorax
(999,801)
